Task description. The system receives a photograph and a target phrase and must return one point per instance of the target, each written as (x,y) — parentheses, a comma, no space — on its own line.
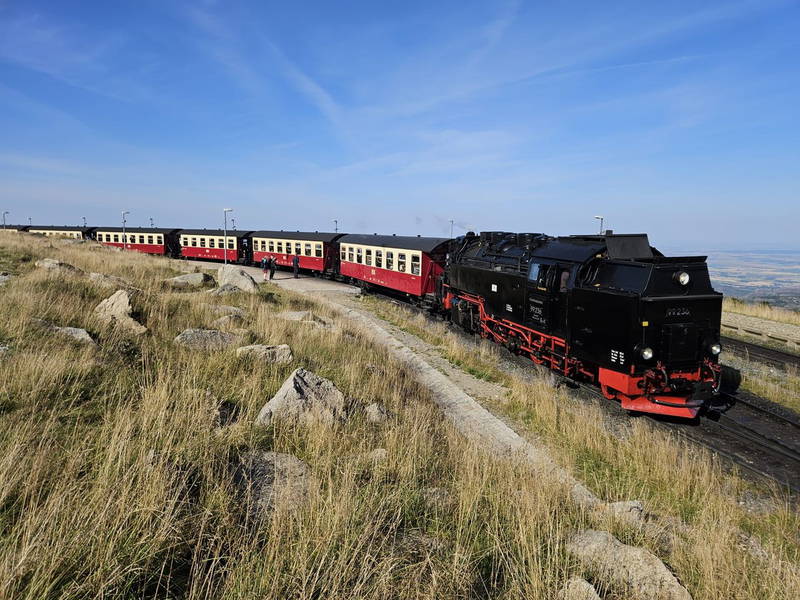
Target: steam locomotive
(607,309)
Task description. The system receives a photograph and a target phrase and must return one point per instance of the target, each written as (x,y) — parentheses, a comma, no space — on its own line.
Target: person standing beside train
(273,263)
(265,266)
(296,265)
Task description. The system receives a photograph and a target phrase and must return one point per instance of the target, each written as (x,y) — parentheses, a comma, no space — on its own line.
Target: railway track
(762,354)
(750,434)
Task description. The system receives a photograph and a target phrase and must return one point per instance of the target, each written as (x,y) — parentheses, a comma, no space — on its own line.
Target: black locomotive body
(608,309)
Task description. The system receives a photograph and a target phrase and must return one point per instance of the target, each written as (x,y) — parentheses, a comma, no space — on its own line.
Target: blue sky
(680,119)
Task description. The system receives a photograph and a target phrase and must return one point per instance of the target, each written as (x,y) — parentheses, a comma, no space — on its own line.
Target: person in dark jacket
(273,263)
(296,265)
(265,266)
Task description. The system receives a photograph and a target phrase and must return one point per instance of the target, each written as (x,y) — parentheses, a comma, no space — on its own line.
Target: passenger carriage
(316,250)
(15,228)
(73,232)
(215,244)
(148,240)
(407,264)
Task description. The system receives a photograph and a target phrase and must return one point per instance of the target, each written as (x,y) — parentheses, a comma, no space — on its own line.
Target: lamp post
(233,223)
(451,228)
(336,225)
(84,221)
(124,237)
(151,222)
(5,212)
(600,218)
(225,233)
(30,222)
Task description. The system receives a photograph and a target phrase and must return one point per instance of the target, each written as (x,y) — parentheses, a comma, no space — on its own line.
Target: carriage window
(318,250)
(211,243)
(368,257)
(390,260)
(271,246)
(298,248)
(343,253)
(160,239)
(232,244)
(149,239)
(415,264)
(379,258)
(280,247)
(307,249)
(359,255)
(401,262)
(141,239)
(350,254)
(202,242)
(116,237)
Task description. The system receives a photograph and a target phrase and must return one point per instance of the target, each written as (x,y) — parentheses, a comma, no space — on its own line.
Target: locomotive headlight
(682,277)
(647,353)
(715,349)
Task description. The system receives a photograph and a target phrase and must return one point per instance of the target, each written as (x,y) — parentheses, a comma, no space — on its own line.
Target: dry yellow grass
(761,310)
(114,481)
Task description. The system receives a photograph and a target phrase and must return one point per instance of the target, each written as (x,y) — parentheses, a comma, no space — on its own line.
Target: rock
(377,414)
(271,480)
(227,322)
(4,348)
(112,281)
(56,266)
(272,354)
(578,589)
(4,279)
(206,339)
(628,511)
(190,280)
(227,413)
(222,309)
(377,456)
(307,398)
(636,571)
(223,290)
(237,277)
(116,310)
(75,333)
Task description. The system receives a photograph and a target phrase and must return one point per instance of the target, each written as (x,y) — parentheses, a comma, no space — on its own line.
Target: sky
(679,119)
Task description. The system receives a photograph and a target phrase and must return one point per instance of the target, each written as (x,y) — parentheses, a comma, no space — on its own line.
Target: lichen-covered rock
(237,277)
(116,310)
(4,279)
(272,480)
(306,398)
(377,414)
(189,280)
(578,589)
(306,317)
(206,339)
(224,290)
(636,571)
(279,354)
(56,266)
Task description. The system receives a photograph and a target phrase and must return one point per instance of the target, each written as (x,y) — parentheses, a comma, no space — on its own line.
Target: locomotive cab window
(415,264)
(540,274)
(318,250)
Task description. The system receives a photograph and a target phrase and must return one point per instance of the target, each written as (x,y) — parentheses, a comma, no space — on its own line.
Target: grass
(762,310)
(781,386)
(115,482)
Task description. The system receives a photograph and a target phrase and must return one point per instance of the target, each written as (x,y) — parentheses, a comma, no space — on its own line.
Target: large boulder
(635,571)
(116,310)
(56,266)
(272,354)
(271,480)
(237,277)
(189,280)
(306,398)
(377,414)
(224,290)
(206,339)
